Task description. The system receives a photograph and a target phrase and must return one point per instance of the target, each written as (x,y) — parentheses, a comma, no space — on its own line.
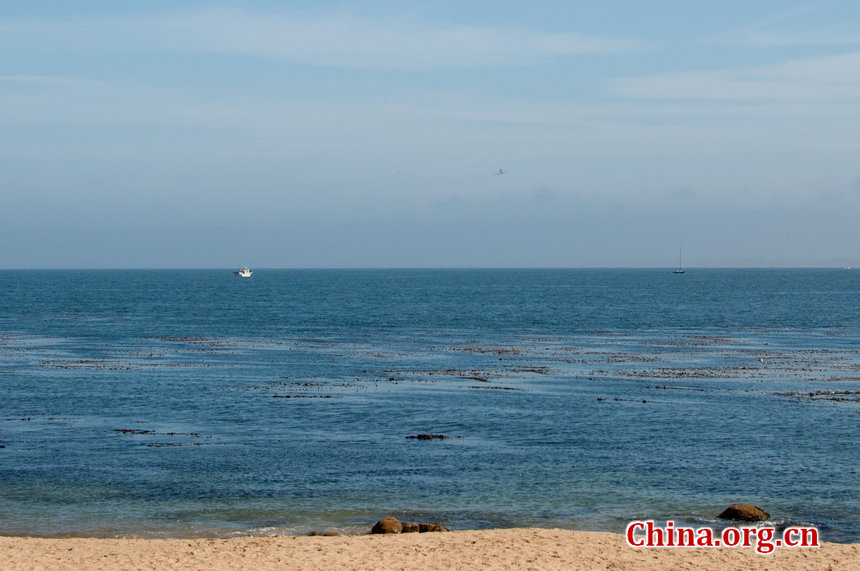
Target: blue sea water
(195,403)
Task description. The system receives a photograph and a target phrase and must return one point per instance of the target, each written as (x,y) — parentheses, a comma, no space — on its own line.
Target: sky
(309,134)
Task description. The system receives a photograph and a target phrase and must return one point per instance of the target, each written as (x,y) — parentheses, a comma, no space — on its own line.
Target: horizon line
(377,268)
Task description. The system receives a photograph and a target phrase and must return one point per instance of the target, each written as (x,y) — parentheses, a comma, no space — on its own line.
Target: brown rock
(409,527)
(744,512)
(425,527)
(331,534)
(387,525)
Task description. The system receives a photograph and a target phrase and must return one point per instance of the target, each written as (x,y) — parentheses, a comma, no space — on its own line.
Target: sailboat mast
(680,269)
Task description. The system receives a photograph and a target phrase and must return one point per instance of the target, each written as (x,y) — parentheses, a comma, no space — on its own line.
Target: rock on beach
(744,512)
(387,525)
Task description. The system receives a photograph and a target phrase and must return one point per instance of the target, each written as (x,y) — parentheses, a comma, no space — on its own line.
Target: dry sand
(493,549)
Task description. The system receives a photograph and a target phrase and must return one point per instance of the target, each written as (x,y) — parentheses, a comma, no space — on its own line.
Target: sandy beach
(489,549)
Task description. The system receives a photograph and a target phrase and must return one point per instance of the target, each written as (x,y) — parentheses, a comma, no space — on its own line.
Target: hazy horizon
(388,134)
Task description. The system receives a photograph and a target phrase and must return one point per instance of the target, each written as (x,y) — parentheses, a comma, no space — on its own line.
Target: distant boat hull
(244,273)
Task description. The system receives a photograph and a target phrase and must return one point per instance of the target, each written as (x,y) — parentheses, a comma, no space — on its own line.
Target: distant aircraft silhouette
(500,171)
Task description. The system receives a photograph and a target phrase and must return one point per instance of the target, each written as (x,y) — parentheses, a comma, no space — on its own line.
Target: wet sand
(488,549)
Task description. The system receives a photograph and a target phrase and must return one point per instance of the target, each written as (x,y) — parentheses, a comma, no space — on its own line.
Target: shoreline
(518,548)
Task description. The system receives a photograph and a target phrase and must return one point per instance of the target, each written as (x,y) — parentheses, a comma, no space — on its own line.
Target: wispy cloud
(774,39)
(346,41)
(830,78)
(795,27)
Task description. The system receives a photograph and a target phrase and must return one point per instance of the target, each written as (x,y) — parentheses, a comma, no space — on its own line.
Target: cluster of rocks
(393,525)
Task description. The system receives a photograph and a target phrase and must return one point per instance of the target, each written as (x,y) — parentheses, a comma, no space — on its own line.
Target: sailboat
(680,269)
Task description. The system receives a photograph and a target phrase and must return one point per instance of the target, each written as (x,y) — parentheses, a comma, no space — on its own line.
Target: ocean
(194,403)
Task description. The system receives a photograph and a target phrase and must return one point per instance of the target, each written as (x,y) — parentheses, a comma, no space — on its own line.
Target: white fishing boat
(244,273)
(680,269)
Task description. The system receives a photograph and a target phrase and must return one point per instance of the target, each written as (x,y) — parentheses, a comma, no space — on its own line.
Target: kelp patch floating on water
(177,438)
(835,396)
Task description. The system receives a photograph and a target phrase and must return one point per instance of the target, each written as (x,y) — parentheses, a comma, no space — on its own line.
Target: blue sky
(367,134)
